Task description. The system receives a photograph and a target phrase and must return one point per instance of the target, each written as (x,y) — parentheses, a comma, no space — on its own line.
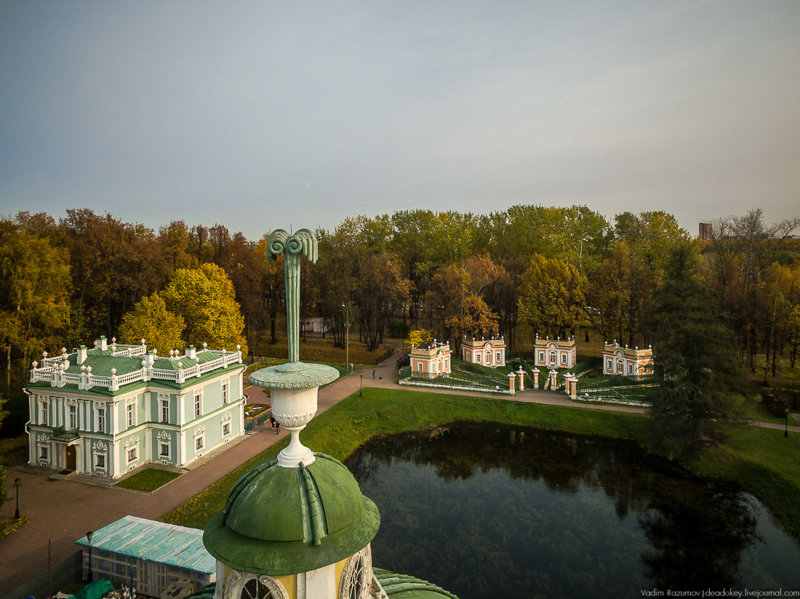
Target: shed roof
(154,541)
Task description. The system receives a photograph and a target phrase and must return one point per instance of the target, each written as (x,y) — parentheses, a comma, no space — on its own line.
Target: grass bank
(762,461)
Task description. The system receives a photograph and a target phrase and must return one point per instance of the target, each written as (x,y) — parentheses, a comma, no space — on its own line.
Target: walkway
(64,510)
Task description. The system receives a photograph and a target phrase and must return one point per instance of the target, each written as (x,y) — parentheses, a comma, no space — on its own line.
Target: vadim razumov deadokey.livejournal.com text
(731,592)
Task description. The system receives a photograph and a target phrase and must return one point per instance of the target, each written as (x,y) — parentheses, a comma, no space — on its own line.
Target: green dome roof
(280,521)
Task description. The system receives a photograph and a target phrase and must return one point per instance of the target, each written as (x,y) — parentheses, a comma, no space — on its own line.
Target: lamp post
(17,484)
(347,337)
(89,539)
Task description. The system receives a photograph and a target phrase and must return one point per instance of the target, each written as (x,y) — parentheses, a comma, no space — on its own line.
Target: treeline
(550,269)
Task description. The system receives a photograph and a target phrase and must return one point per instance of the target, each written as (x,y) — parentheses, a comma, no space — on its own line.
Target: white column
(179,397)
(112,417)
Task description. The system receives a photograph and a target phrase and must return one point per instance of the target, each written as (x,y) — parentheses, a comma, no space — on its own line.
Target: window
(44,454)
(630,368)
(608,365)
(73,417)
(226,428)
(199,442)
(224,393)
(563,358)
(133,454)
(164,410)
(198,404)
(100,460)
(499,358)
(130,414)
(419,366)
(163,450)
(101,419)
(44,412)
(541,356)
(356,576)
(243,585)
(479,358)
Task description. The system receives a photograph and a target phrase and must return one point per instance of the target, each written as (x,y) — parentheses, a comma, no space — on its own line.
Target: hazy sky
(263,114)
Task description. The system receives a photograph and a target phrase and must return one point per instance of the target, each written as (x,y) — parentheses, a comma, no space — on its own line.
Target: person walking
(373,373)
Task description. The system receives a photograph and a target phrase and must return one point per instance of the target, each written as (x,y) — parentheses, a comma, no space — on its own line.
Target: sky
(266,114)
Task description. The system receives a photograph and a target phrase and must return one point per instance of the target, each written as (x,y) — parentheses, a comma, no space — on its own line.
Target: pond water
(491,511)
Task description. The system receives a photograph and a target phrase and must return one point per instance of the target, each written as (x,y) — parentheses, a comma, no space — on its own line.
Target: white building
(488,352)
(113,408)
(554,353)
(625,361)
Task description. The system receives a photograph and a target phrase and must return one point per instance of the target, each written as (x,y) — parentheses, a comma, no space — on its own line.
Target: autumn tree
(381,290)
(34,294)
(204,297)
(461,311)
(551,298)
(419,338)
(150,320)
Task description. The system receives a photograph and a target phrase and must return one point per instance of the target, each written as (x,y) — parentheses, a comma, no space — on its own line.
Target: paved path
(64,510)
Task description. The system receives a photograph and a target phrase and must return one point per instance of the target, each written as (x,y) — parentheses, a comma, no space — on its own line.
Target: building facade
(554,353)
(153,555)
(487,352)
(110,409)
(431,362)
(625,361)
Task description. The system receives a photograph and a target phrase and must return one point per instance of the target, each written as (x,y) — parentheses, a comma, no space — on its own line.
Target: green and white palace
(110,409)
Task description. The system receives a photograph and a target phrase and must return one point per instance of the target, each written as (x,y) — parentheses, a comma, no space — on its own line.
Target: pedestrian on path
(373,373)
(277,428)
(272,421)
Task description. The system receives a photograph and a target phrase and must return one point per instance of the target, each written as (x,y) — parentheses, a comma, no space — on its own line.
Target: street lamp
(89,539)
(347,337)
(17,484)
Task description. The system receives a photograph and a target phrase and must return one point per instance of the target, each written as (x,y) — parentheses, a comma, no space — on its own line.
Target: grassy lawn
(316,349)
(762,461)
(148,479)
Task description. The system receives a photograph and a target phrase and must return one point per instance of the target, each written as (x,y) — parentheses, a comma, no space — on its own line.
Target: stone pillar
(521,376)
(553,380)
(573,387)
(535,378)
(511,378)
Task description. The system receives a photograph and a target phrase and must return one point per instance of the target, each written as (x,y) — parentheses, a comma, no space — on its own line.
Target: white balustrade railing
(129,351)
(58,377)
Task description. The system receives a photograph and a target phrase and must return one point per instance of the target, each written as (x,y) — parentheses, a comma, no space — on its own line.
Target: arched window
(243,585)
(357,576)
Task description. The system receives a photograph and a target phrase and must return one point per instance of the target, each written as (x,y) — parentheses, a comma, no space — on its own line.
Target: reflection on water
(488,511)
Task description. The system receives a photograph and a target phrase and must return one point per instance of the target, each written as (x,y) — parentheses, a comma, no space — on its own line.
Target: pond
(491,511)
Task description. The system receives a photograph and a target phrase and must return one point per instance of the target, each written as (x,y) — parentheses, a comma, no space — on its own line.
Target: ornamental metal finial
(292,246)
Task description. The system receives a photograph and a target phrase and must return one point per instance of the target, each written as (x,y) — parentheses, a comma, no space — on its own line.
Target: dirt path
(64,510)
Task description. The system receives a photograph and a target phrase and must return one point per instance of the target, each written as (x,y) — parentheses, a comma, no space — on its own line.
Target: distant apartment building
(110,409)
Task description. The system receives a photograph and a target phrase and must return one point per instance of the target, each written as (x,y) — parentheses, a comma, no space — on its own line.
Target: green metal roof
(403,586)
(154,541)
(281,521)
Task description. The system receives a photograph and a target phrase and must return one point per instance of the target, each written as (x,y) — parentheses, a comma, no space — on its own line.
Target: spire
(292,246)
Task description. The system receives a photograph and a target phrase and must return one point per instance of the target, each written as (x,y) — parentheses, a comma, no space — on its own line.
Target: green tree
(205,298)
(551,298)
(696,350)
(150,320)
